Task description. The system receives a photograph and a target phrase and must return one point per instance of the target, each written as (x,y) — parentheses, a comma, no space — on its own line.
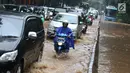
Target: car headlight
(9,56)
(51,27)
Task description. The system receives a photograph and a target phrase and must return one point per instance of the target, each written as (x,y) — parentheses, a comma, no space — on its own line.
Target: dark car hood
(8,44)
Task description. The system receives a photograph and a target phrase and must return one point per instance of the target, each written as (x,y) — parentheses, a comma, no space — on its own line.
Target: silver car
(74,24)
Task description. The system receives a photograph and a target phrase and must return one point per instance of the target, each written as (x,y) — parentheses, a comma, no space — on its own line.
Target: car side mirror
(32,35)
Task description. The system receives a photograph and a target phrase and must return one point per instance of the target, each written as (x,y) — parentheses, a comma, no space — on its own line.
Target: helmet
(65,23)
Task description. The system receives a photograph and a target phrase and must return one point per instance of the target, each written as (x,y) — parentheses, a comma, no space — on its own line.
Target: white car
(74,24)
(94,12)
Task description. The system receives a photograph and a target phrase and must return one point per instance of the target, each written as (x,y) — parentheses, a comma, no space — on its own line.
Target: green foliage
(56,3)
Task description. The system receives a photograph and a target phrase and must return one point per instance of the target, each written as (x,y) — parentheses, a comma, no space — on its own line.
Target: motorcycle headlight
(9,56)
(60,43)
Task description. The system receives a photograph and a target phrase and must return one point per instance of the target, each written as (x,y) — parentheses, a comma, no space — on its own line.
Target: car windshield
(71,19)
(11,7)
(111,13)
(10,27)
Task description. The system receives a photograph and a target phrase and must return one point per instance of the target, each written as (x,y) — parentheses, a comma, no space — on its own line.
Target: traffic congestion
(29,27)
(64,36)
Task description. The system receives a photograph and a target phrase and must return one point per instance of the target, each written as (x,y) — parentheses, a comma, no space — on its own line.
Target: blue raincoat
(66,31)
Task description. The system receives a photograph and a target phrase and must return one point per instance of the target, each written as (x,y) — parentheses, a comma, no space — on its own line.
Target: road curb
(92,59)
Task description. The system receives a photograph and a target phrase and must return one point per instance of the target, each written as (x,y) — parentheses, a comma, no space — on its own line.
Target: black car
(16,8)
(11,7)
(21,41)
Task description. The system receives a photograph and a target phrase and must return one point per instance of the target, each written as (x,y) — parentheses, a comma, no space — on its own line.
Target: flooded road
(114,48)
(77,60)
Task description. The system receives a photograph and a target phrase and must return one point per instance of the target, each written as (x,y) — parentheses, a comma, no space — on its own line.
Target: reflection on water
(114,51)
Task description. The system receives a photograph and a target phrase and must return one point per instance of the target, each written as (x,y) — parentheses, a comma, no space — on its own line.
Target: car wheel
(40,54)
(18,69)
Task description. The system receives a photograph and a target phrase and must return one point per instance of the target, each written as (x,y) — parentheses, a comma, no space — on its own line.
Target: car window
(11,27)
(71,19)
(23,9)
(11,7)
(2,7)
(30,9)
(33,24)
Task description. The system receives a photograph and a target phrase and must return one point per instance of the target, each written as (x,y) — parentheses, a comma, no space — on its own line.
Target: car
(21,41)
(68,8)
(11,7)
(80,10)
(94,12)
(51,8)
(64,10)
(75,24)
(59,10)
(76,13)
(49,12)
(2,7)
(46,13)
(17,8)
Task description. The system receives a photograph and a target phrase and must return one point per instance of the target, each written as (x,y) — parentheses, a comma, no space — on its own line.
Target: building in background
(23,2)
(6,1)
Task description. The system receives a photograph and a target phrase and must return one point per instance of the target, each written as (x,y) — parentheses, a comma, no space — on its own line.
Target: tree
(56,3)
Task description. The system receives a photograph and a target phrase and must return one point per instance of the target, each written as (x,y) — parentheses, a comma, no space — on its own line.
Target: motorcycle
(61,44)
(85,28)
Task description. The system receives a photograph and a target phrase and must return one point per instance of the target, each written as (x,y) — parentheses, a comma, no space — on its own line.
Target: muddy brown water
(114,48)
(77,60)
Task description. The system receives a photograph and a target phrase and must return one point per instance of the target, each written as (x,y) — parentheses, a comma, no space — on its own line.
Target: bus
(110,13)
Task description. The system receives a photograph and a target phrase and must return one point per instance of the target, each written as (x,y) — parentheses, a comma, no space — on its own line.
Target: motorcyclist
(91,16)
(85,23)
(89,19)
(70,39)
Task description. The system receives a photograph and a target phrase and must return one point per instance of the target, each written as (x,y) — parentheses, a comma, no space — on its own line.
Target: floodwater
(114,48)
(77,60)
